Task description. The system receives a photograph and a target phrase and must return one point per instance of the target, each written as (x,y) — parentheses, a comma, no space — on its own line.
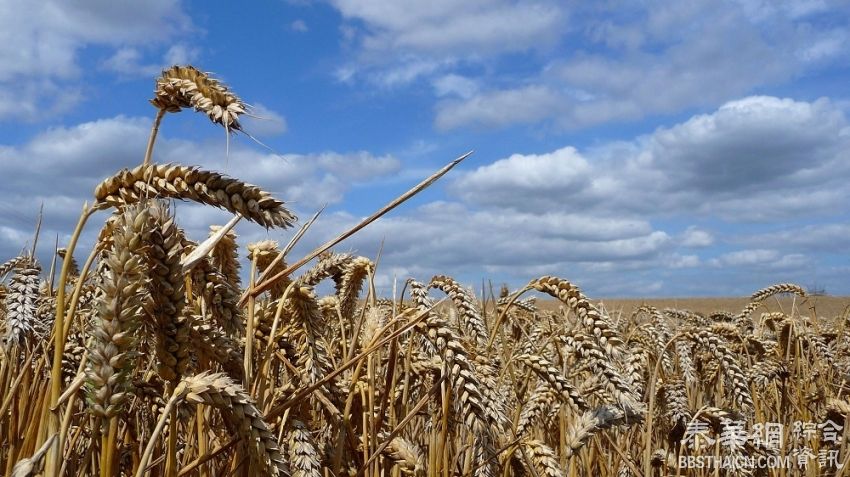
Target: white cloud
(40,44)
(132,61)
(727,150)
(37,98)
(499,108)
(455,85)
(528,181)
(447,26)
(441,236)
(62,166)
(407,69)
(299,26)
(396,42)
(180,54)
(746,258)
(755,159)
(820,238)
(683,261)
(264,122)
(595,216)
(696,238)
(661,58)
(760,259)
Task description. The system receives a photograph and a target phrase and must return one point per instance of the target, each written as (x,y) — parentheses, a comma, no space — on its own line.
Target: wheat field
(151,354)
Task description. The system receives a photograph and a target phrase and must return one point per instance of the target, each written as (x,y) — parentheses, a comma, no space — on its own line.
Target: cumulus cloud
(40,44)
(754,159)
(596,216)
(455,85)
(441,236)
(528,180)
(404,40)
(299,26)
(696,238)
(449,27)
(499,108)
(609,217)
(599,215)
(765,258)
(697,53)
(264,122)
(61,167)
(820,238)
(133,61)
(497,63)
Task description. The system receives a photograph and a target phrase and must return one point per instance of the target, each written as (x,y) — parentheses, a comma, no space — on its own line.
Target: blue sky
(660,149)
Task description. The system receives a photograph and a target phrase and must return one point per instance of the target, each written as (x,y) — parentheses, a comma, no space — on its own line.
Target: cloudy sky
(663,149)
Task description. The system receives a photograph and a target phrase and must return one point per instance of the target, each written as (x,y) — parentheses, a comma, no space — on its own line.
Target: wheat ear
(167,287)
(22,303)
(465,304)
(589,315)
(185,86)
(120,308)
(542,457)
(225,256)
(237,407)
(555,379)
(303,454)
(190,183)
(717,347)
(407,456)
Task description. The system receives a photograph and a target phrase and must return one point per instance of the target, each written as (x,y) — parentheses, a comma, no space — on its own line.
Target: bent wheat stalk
(265,285)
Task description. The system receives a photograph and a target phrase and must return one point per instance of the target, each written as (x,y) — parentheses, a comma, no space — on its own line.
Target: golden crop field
(812,306)
(152,355)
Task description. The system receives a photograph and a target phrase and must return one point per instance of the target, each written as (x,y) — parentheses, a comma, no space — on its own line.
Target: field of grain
(151,354)
(811,306)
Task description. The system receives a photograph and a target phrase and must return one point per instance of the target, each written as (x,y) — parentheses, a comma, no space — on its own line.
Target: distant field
(828,306)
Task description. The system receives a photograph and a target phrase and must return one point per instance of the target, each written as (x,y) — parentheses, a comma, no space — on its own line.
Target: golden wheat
(317,374)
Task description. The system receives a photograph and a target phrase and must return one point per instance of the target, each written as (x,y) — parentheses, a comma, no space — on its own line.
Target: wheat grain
(675,402)
(590,423)
(543,399)
(767,292)
(730,365)
(621,388)
(350,283)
